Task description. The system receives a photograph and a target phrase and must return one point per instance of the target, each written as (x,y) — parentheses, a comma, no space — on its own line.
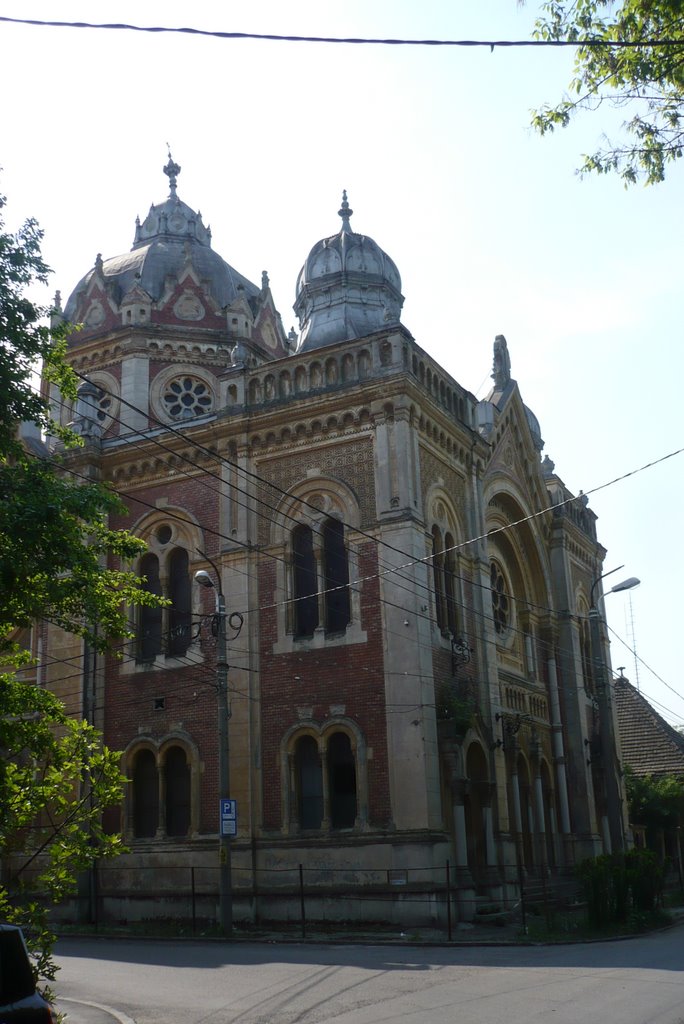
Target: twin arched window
(444,573)
(328,601)
(325,794)
(161,794)
(166,630)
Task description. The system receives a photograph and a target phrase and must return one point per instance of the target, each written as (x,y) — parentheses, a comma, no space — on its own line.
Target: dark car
(20,1003)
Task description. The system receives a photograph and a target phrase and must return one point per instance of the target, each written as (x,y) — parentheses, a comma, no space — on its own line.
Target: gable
(649,745)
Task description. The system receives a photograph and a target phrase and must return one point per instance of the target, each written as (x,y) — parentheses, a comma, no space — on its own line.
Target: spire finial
(172,171)
(345,211)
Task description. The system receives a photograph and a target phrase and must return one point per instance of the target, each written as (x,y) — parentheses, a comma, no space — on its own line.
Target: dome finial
(172,171)
(345,211)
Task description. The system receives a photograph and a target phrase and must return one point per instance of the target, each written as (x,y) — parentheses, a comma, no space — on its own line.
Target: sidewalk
(78,1012)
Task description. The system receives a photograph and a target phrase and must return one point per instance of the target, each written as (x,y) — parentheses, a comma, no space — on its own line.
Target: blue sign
(228,816)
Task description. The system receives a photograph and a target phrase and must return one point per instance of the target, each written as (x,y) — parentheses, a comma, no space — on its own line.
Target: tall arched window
(150,621)
(145,795)
(587,661)
(177,793)
(450,584)
(438,574)
(180,619)
(305,582)
(444,573)
(309,781)
(336,577)
(341,781)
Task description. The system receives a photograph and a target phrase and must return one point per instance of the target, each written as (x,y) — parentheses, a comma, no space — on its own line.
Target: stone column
(161,822)
(323,753)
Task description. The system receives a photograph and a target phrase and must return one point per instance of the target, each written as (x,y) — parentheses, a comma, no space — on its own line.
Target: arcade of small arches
(451,398)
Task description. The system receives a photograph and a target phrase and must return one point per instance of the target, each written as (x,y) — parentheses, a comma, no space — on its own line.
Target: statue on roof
(501,373)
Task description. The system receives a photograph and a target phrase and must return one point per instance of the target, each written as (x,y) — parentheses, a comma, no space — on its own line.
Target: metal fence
(295,900)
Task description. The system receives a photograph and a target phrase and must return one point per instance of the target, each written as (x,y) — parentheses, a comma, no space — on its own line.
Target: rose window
(500,602)
(186,397)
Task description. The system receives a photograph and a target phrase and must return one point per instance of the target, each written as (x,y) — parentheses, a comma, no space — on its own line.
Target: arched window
(179,613)
(177,793)
(336,577)
(438,574)
(309,781)
(150,620)
(450,584)
(341,781)
(587,662)
(444,574)
(145,795)
(305,582)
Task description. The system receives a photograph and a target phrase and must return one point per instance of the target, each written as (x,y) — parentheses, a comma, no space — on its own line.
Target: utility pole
(225,880)
(609,762)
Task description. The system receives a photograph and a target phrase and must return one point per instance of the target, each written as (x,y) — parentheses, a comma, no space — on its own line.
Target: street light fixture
(203,578)
(606,727)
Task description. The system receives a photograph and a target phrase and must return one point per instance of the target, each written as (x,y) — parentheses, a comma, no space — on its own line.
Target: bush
(617,885)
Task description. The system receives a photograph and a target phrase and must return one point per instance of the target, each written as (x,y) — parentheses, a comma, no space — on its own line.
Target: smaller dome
(535,429)
(348,288)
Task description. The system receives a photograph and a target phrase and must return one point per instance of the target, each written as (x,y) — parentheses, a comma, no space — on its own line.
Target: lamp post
(203,578)
(606,725)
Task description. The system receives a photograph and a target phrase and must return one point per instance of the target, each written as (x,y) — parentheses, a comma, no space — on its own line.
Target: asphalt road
(638,981)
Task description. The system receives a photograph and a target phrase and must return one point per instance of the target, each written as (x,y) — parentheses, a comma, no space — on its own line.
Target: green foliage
(655,803)
(619,885)
(646,80)
(56,778)
(456,708)
(54,543)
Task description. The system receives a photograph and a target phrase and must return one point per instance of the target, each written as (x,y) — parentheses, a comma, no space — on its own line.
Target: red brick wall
(352,675)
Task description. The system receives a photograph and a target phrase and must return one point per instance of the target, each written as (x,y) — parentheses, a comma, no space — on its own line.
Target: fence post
(448,897)
(194,895)
(521,883)
(96,895)
(301,900)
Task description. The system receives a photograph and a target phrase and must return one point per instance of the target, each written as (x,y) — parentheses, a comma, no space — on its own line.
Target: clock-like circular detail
(186,397)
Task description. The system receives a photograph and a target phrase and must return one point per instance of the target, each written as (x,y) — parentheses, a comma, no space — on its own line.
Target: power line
(386,571)
(427,559)
(490,44)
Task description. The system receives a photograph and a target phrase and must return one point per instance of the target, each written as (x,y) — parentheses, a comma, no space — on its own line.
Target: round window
(186,397)
(104,405)
(164,534)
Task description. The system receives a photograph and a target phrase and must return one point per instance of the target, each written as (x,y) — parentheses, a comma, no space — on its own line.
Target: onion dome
(171,237)
(347,288)
(535,429)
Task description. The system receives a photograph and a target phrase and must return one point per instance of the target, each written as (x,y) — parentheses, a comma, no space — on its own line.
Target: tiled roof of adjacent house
(649,745)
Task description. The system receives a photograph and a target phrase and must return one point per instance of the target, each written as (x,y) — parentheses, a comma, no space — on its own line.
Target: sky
(492,230)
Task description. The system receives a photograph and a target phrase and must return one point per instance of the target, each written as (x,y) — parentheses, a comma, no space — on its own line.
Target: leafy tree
(647,79)
(55,778)
(55,546)
(655,803)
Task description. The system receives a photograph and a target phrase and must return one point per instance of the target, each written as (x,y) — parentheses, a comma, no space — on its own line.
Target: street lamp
(203,578)
(606,729)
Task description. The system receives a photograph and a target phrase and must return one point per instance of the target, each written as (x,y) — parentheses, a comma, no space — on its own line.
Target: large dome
(348,288)
(171,236)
